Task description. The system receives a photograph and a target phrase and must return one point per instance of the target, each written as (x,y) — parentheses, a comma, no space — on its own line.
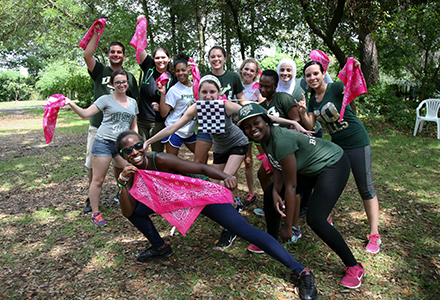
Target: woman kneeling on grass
(301,163)
(130,145)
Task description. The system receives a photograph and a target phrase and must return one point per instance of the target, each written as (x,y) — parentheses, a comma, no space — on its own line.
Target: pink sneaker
(329,220)
(374,242)
(353,276)
(255,249)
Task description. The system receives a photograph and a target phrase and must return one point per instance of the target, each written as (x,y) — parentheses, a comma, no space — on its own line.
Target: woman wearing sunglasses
(119,112)
(129,145)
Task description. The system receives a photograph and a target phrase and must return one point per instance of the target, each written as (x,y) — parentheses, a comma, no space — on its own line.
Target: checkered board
(211,116)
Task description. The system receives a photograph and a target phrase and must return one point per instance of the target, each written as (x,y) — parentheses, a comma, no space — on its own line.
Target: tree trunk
(145,5)
(201,36)
(368,57)
(235,11)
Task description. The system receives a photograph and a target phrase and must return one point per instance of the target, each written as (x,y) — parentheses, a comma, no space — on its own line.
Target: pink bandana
(86,39)
(318,55)
(139,40)
(265,162)
(163,79)
(196,78)
(52,107)
(179,199)
(354,82)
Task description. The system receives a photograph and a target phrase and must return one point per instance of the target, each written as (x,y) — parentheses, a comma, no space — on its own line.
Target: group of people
(124,123)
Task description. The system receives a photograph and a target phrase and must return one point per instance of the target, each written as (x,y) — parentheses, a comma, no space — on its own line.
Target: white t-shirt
(180,98)
(250,93)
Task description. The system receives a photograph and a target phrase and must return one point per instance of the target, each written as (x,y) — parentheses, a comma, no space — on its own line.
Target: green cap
(250,110)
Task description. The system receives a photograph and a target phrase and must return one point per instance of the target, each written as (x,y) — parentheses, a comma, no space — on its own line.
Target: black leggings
(328,186)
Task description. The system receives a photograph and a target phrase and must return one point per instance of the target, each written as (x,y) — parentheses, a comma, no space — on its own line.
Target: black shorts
(222,158)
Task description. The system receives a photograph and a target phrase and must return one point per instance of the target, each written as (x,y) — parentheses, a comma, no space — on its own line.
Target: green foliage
(15,87)
(271,63)
(65,77)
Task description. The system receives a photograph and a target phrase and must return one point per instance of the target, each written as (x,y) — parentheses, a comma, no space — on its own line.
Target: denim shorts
(206,137)
(104,148)
(176,141)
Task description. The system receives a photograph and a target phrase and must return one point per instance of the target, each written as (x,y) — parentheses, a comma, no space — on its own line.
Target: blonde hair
(250,60)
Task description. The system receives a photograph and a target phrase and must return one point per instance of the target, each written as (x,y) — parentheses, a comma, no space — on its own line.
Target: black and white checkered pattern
(211,116)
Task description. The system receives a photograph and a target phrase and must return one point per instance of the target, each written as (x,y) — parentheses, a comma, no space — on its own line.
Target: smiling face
(314,76)
(257,129)
(208,91)
(161,60)
(182,73)
(136,157)
(116,55)
(120,83)
(286,72)
(216,59)
(267,87)
(249,73)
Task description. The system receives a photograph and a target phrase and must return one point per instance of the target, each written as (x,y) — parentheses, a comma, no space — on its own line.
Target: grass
(19,104)
(50,250)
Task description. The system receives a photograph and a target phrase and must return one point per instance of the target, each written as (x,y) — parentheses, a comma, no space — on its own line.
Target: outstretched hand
(67,101)
(128,171)
(230,182)
(302,105)
(146,145)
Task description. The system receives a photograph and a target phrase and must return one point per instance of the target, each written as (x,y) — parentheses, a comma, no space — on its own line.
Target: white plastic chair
(432,108)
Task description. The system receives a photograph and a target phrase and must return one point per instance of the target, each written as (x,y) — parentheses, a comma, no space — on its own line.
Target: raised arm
(164,108)
(90,49)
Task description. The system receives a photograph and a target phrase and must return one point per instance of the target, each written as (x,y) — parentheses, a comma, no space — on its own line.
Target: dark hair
(181,58)
(265,119)
(165,50)
(116,44)
(219,48)
(116,73)
(271,73)
(311,63)
(122,135)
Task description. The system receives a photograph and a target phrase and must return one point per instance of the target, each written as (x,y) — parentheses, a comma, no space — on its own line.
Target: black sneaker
(154,253)
(306,285)
(226,239)
(87,209)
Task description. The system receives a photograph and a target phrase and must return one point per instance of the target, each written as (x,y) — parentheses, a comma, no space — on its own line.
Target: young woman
(119,114)
(150,120)
(230,85)
(350,134)
(129,144)
(174,103)
(249,73)
(302,162)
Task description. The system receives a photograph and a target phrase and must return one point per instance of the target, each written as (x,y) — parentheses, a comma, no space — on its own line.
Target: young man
(101,78)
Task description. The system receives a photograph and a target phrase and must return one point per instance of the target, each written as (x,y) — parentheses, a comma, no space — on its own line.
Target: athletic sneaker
(259,212)
(296,234)
(155,253)
(353,276)
(87,209)
(98,220)
(307,286)
(226,239)
(329,220)
(238,203)
(116,198)
(251,198)
(255,249)
(374,242)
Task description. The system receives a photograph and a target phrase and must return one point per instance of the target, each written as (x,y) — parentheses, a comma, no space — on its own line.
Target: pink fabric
(139,40)
(163,79)
(179,199)
(86,39)
(196,78)
(318,55)
(222,97)
(52,107)
(354,82)
(256,85)
(265,162)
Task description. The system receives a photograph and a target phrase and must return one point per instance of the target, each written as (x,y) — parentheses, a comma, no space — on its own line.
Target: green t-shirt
(350,132)
(312,154)
(279,106)
(231,84)
(101,77)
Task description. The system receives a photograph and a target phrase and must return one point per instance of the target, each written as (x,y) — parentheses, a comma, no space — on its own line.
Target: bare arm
(297,126)
(90,49)
(163,107)
(169,130)
(134,125)
(308,119)
(83,113)
(232,108)
(240,96)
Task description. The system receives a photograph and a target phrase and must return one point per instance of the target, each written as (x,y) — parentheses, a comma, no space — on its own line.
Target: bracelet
(229,177)
(121,185)
(123,178)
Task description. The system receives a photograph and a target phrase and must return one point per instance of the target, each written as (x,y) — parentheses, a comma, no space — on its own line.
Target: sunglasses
(127,150)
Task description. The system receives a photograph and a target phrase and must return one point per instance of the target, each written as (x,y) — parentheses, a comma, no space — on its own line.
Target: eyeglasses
(127,150)
(121,82)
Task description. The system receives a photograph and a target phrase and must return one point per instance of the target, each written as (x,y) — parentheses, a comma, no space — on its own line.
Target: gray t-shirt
(116,117)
